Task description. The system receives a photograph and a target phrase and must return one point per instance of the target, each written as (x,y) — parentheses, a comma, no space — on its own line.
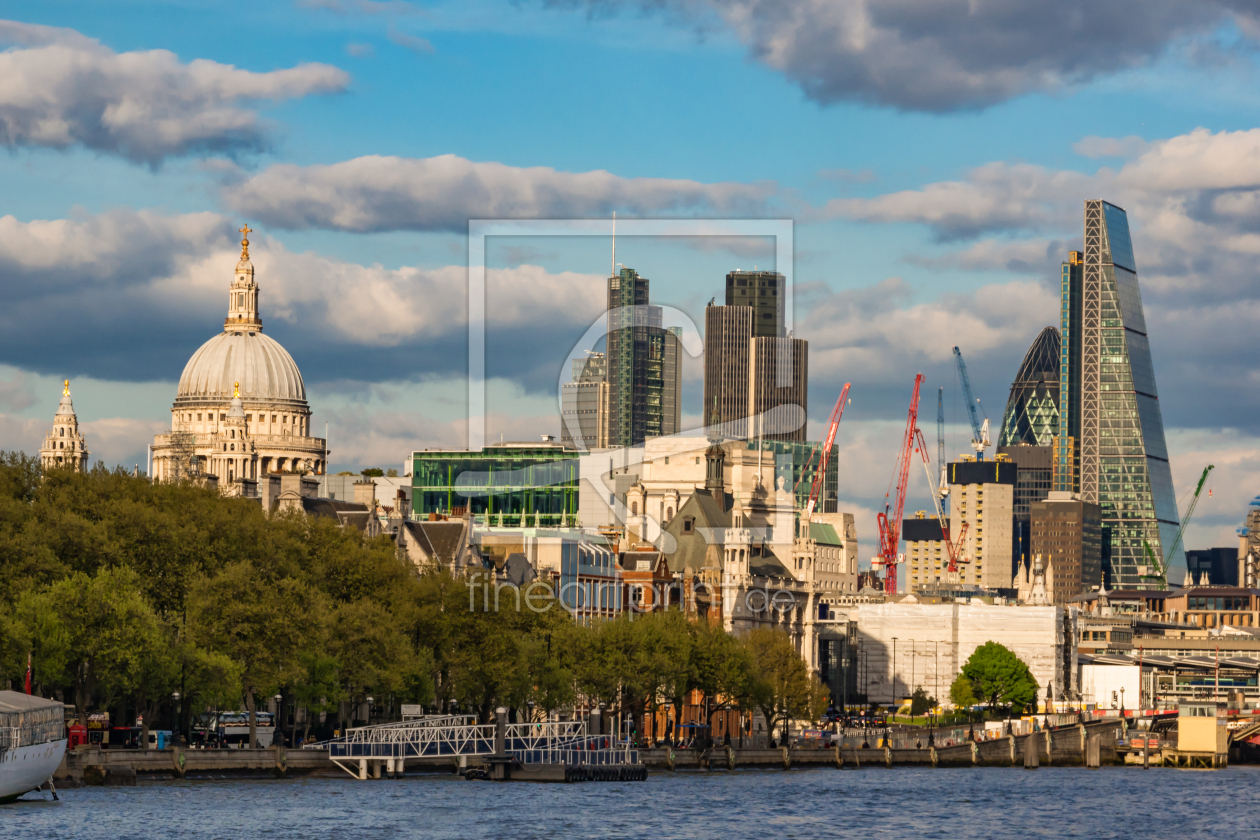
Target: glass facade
(643,363)
(513,485)
(1127,459)
(1032,410)
(1066,454)
(797,464)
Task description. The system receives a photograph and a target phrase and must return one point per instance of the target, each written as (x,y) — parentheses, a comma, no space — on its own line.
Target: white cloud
(944,55)
(376,193)
(112,273)
(60,89)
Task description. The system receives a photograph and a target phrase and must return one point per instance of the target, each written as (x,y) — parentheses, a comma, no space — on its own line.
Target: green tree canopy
(999,677)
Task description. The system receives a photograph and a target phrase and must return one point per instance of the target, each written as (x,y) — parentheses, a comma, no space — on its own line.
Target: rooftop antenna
(614,253)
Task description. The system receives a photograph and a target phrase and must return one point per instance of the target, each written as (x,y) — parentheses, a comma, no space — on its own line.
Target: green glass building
(1111,447)
(504,485)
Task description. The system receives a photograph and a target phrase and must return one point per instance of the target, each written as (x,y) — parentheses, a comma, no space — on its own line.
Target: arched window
(61,432)
(634,508)
(233,447)
(669,513)
(62,445)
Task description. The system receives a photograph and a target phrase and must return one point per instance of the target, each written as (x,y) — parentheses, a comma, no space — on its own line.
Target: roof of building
(440,541)
(264,369)
(516,569)
(821,532)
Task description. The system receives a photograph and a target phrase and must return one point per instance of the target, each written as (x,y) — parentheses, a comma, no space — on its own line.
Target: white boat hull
(25,768)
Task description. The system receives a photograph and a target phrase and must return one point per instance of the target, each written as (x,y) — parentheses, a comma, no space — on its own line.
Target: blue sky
(933,155)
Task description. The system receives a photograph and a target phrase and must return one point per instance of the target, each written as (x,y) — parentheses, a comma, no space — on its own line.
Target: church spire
(245,232)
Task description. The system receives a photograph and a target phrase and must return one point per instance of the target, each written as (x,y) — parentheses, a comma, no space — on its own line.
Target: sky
(933,157)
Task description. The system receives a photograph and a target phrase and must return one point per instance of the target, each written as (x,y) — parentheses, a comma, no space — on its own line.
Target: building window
(634,508)
(688,524)
(669,513)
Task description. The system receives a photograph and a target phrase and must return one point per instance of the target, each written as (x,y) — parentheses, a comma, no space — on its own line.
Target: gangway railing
(457,736)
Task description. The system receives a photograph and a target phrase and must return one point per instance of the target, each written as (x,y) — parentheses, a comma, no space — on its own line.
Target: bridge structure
(547,750)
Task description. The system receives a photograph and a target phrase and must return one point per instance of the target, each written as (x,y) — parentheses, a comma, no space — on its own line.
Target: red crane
(820,475)
(951,548)
(890,529)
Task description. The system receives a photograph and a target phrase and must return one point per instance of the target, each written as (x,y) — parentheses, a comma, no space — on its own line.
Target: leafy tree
(961,693)
(999,677)
(258,623)
(318,688)
(921,703)
(391,473)
(373,472)
(785,689)
(98,629)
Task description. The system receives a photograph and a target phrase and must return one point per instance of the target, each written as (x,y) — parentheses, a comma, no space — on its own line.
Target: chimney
(365,493)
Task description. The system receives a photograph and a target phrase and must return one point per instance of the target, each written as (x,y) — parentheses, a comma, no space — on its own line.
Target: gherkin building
(1032,410)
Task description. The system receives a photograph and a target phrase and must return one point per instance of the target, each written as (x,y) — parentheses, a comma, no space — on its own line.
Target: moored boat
(32,742)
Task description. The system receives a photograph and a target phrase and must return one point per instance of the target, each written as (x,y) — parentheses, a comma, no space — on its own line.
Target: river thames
(964,803)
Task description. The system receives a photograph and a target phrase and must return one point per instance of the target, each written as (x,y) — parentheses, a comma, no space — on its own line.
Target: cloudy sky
(934,156)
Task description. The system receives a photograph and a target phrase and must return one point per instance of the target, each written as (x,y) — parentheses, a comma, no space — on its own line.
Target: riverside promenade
(1090,744)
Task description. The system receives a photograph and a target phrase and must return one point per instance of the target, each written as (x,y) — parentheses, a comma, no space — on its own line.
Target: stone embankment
(1090,744)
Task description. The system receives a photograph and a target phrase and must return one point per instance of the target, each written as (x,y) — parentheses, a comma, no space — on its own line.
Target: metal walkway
(458,737)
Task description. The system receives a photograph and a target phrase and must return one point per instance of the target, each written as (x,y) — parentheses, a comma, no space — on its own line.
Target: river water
(947,803)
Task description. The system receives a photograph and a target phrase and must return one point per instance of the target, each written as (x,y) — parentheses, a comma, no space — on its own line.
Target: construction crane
(1161,567)
(890,529)
(952,549)
(942,487)
(820,475)
(979,431)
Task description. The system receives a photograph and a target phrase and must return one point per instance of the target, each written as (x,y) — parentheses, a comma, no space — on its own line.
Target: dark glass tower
(643,365)
(1067,455)
(1108,397)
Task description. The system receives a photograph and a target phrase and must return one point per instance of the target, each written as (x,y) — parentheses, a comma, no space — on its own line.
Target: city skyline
(913,233)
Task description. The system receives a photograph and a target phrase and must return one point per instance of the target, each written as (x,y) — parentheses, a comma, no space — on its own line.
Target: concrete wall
(1098,682)
(934,641)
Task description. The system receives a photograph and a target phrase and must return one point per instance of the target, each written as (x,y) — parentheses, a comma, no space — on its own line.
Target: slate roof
(440,541)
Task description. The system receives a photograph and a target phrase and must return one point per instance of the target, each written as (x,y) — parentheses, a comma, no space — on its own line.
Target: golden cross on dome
(236,392)
(66,391)
(245,232)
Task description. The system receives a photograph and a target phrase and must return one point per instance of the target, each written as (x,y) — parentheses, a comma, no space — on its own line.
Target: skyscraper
(1111,434)
(1028,429)
(644,365)
(752,367)
(584,404)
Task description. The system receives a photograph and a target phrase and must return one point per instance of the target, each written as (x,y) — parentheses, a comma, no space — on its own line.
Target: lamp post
(369,710)
(176,714)
(530,704)
(277,730)
(893,673)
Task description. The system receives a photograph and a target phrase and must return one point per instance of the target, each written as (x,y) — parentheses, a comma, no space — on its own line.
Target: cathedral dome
(264,369)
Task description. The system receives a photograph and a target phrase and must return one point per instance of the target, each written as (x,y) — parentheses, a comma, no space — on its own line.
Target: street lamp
(277,734)
(893,671)
(530,704)
(176,714)
(369,699)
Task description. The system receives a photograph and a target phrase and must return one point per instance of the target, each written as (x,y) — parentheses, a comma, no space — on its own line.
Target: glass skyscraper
(644,365)
(1110,446)
(1032,410)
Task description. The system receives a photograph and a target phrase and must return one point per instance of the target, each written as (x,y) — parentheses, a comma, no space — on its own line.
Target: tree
(372,472)
(783,691)
(99,628)
(961,693)
(258,623)
(999,677)
(921,703)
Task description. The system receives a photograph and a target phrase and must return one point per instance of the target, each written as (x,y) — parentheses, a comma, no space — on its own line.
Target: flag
(28,672)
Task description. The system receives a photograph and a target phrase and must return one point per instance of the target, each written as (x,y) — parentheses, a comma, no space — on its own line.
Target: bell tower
(243,294)
(64,446)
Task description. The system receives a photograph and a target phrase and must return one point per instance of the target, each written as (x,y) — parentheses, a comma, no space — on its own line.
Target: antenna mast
(614,253)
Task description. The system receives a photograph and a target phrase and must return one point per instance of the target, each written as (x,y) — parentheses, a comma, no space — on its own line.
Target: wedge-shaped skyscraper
(1110,447)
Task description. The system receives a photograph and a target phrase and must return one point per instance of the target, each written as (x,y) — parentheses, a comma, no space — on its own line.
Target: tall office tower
(1109,407)
(752,366)
(584,404)
(1067,455)
(1029,426)
(644,365)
